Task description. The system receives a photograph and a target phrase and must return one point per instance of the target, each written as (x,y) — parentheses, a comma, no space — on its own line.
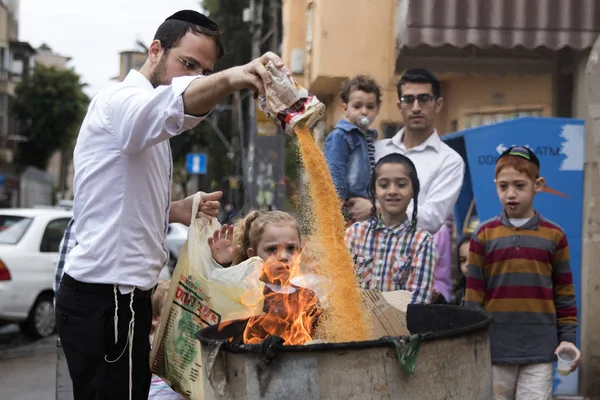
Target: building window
(389,129)
(3,59)
(4,111)
(3,104)
(3,127)
(16,70)
(475,119)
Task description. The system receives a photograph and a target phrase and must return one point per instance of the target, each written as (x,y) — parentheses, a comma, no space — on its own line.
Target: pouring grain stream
(345,320)
(295,111)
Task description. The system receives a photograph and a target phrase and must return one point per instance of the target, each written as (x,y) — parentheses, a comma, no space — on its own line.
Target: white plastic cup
(565,361)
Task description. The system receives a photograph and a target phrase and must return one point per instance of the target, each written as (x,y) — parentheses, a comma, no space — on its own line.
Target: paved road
(27,367)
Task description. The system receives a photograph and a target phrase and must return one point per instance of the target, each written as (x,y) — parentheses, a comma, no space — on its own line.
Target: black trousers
(99,367)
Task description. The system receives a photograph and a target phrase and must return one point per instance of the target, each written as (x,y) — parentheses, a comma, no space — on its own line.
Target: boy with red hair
(519,271)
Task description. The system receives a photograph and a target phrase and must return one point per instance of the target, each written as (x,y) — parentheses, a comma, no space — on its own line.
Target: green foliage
(49,105)
(236,33)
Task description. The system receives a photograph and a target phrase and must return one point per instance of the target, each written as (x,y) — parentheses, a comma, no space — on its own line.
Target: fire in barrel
(290,312)
(449,343)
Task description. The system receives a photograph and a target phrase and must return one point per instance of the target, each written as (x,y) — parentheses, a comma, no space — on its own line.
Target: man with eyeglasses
(114,248)
(440,168)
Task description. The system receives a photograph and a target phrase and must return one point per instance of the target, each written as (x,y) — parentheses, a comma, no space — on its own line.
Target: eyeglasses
(192,67)
(423,99)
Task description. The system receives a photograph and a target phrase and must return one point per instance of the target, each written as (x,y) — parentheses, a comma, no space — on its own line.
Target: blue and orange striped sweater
(522,276)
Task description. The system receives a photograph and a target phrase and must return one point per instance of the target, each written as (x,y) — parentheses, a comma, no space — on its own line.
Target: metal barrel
(453,362)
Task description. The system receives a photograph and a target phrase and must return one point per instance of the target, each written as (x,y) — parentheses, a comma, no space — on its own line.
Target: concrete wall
(9,26)
(293,18)
(4,37)
(130,60)
(354,36)
(493,93)
(349,37)
(590,272)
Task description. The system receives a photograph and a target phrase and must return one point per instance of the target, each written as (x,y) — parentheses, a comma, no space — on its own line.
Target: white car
(177,234)
(29,241)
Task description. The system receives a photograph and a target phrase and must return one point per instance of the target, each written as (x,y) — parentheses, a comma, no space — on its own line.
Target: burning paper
(290,311)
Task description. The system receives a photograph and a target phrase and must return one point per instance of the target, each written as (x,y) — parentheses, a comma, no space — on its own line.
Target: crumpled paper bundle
(287,104)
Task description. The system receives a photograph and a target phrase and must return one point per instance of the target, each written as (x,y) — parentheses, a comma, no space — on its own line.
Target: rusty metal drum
(452,362)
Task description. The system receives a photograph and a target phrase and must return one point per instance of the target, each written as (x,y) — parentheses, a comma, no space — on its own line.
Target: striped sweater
(523,278)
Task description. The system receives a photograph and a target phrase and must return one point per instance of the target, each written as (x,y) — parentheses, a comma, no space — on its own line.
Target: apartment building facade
(16,60)
(496,59)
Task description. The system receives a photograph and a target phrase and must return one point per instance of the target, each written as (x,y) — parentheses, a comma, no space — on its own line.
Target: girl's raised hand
(222,248)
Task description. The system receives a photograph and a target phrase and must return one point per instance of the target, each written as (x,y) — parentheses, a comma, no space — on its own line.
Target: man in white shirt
(440,168)
(122,205)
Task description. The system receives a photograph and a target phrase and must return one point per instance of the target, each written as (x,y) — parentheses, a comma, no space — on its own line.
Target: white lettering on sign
(196,164)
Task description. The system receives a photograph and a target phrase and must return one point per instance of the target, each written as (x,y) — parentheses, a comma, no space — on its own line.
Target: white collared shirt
(122,183)
(440,170)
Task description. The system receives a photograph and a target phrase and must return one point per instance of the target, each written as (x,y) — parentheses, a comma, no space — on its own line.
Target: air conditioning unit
(297,61)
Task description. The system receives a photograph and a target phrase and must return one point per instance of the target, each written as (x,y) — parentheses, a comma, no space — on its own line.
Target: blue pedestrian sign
(196,163)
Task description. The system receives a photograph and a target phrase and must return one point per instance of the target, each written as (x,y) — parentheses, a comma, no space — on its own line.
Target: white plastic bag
(201,293)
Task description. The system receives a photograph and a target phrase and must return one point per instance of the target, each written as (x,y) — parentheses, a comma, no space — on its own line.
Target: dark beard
(157,78)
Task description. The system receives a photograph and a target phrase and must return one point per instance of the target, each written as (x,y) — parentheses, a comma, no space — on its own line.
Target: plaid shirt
(66,245)
(391,258)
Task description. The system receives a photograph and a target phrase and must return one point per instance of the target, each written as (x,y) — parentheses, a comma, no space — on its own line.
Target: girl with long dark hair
(389,251)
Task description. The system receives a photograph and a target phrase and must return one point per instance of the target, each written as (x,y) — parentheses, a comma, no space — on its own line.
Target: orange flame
(290,311)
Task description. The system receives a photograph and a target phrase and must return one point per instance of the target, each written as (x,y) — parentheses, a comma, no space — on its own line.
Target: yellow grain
(345,319)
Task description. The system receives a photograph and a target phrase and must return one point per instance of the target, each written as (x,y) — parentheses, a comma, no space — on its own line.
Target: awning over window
(553,24)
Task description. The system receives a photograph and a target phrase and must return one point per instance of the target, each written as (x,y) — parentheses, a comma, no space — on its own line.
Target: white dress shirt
(122,183)
(440,170)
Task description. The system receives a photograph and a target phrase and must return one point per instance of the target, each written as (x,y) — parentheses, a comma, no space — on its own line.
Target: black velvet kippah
(196,18)
(523,152)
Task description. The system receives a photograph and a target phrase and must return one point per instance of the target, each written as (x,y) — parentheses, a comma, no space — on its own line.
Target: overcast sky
(93,33)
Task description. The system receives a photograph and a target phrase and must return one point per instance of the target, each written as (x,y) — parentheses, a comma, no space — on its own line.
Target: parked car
(176,236)
(65,205)
(29,242)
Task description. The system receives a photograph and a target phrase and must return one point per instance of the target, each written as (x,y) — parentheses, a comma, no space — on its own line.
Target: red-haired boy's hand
(572,348)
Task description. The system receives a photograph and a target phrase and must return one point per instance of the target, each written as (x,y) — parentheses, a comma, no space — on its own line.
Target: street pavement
(27,366)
